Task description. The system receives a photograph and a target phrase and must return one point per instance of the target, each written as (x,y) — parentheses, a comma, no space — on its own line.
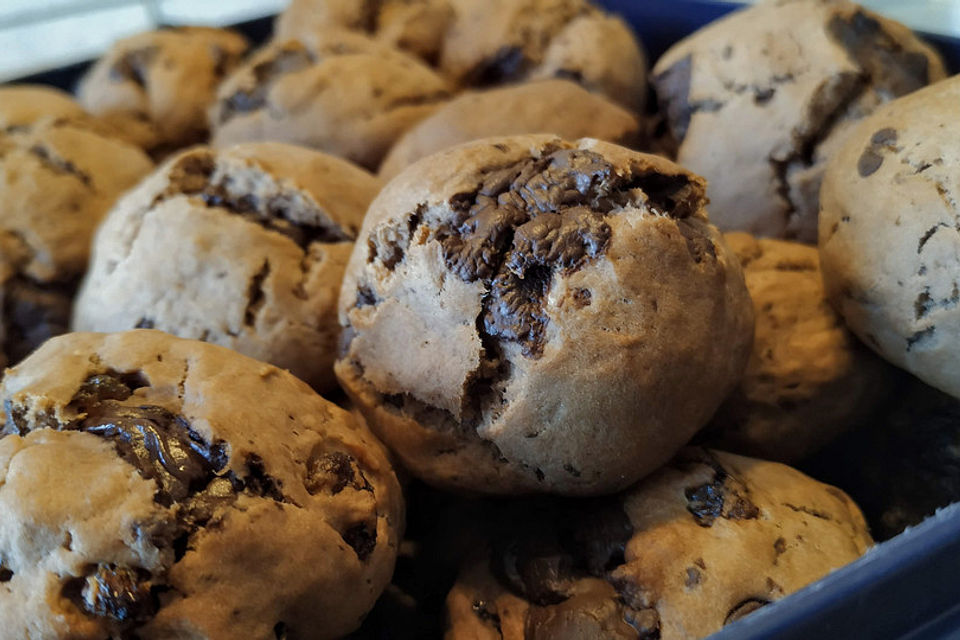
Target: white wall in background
(41,34)
(935,16)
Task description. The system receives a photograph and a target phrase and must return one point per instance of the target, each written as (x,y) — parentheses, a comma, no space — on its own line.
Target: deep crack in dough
(58,178)
(156,86)
(760,100)
(889,239)
(415,26)
(559,107)
(809,379)
(151,486)
(243,247)
(703,542)
(526,314)
(332,90)
(493,42)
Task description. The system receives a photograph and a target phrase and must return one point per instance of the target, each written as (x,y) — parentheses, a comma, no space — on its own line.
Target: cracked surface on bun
(701,543)
(151,486)
(760,100)
(243,247)
(526,314)
(888,234)
(335,90)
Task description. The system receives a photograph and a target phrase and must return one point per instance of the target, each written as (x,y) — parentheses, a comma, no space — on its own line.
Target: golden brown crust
(156,86)
(336,91)
(276,491)
(464,350)
(809,379)
(888,240)
(243,247)
(703,541)
(559,107)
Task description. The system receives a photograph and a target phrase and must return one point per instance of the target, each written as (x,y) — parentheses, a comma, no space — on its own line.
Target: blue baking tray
(906,588)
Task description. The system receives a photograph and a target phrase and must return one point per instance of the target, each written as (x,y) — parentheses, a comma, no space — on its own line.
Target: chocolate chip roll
(527,314)
(244,247)
(760,100)
(58,178)
(703,542)
(156,86)
(152,486)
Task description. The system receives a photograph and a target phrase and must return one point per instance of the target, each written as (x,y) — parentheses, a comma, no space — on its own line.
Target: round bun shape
(337,91)
(243,247)
(152,487)
(701,543)
(493,42)
(809,379)
(889,247)
(559,107)
(526,314)
(415,26)
(760,100)
(156,86)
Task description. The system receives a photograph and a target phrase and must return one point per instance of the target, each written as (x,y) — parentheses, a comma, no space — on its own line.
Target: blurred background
(36,35)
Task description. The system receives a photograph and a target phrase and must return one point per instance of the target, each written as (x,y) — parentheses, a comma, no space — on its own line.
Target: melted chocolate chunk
(293,57)
(333,472)
(111,385)
(541,573)
(508,64)
(871,159)
(258,482)
(32,314)
(118,593)
(721,497)
(560,560)
(744,609)
(542,216)
(891,70)
(159,444)
(515,310)
(6,575)
(133,66)
(362,538)
(705,502)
